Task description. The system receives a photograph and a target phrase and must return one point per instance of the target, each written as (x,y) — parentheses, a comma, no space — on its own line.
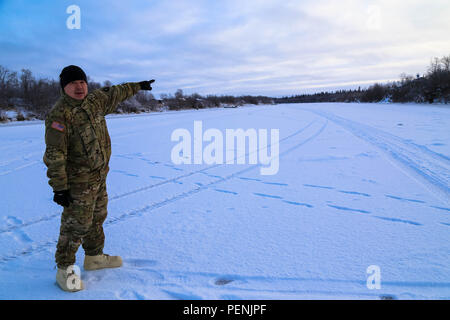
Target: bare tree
(446,63)
(3,74)
(3,79)
(179,94)
(26,82)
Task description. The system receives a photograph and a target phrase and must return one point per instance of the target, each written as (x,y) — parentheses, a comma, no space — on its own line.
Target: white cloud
(235,46)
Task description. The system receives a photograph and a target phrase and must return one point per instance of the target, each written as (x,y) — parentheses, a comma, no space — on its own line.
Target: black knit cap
(71,73)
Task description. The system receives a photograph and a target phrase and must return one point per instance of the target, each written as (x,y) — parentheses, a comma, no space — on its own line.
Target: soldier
(78,149)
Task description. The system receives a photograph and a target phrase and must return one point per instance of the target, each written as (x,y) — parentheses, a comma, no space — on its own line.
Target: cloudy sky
(268,47)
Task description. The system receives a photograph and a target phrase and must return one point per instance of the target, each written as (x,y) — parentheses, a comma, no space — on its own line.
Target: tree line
(22,91)
(35,97)
(433,86)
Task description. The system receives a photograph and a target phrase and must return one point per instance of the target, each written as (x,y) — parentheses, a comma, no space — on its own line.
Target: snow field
(354,189)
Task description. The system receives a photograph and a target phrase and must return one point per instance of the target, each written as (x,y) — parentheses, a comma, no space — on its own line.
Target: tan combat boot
(102,261)
(68,280)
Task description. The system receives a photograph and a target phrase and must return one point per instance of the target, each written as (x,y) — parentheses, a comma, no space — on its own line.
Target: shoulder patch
(106,89)
(58,126)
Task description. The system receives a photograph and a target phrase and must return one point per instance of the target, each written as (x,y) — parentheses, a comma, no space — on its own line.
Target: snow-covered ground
(358,185)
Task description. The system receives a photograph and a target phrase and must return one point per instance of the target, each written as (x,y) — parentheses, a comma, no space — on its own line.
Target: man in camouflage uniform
(78,149)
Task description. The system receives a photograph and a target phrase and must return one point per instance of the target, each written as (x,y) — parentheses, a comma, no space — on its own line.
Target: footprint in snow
(276,184)
(404,199)
(146,267)
(125,173)
(298,203)
(388,297)
(441,208)
(182,295)
(348,209)
(267,195)
(130,295)
(21,236)
(12,221)
(140,263)
(249,179)
(225,191)
(93,276)
(398,220)
(18,235)
(355,193)
(316,186)
(222,281)
(157,177)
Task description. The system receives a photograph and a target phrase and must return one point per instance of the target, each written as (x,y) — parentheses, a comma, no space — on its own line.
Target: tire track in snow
(237,285)
(205,169)
(28,160)
(26,157)
(425,166)
(148,208)
(29,164)
(147,187)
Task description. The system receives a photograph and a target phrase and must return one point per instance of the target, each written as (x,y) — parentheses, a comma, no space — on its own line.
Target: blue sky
(235,47)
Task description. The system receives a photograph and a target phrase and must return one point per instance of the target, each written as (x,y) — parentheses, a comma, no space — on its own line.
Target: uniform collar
(70,101)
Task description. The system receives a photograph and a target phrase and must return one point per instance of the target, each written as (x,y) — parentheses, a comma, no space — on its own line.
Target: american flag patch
(58,126)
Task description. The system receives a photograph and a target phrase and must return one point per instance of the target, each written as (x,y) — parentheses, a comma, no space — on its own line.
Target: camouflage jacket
(78,145)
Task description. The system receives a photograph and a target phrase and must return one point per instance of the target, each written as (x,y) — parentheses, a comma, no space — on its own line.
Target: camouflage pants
(82,222)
